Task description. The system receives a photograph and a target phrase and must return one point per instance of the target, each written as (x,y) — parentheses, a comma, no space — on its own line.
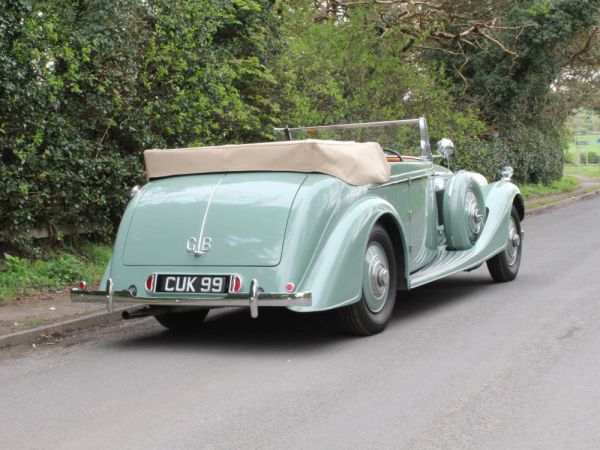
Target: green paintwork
(246,221)
(308,229)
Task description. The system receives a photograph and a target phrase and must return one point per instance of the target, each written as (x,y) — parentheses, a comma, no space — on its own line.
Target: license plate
(193,284)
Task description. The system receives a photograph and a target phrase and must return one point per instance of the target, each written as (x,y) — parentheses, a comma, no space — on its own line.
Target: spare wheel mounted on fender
(464,211)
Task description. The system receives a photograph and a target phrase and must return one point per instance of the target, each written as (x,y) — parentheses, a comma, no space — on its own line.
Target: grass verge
(567,183)
(548,201)
(19,276)
(589,171)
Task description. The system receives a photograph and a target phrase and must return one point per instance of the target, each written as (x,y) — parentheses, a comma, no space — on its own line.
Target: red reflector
(82,285)
(236,284)
(290,287)
(150,283)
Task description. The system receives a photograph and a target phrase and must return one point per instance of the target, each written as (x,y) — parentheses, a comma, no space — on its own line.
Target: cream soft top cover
(354,162)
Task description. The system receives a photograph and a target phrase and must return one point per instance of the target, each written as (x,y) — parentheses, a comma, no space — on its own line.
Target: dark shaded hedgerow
(86,86)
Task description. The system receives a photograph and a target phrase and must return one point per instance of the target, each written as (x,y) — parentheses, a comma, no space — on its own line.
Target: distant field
(592,139)
(591,171)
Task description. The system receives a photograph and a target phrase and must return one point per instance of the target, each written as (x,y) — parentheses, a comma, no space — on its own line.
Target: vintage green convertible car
(309,225)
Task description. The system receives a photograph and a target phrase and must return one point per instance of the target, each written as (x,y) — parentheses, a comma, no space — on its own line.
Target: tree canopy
(88,85)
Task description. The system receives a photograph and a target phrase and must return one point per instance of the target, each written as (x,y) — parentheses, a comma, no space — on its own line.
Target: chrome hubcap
(474,216)
(376,279)
(514,242)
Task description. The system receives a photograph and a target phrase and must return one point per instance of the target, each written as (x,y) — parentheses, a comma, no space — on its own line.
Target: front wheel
(181,321)
(371,314)
(505,265)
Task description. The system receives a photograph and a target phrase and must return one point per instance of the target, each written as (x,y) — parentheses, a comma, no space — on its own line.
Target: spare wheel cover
(464,211)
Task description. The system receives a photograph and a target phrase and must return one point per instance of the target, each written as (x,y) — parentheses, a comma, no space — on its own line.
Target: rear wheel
(371,314)
(181,321)
(505,265)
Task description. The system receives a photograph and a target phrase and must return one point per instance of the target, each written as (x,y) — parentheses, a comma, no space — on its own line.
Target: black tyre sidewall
(498,266)
(380,236)
(357,318)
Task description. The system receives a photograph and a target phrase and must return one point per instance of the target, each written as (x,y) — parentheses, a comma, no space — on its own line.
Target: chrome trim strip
(355,125)
(404,180)
(199,251)
(110,287)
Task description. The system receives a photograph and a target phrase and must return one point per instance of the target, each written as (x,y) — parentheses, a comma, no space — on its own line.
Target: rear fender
(335,276)
(117,254)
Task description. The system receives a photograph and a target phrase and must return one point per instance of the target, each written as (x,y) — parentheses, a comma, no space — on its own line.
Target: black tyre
(371,314)
(181,321)
(505,265)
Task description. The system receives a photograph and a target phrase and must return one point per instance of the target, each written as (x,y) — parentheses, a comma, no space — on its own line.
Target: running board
(449,263)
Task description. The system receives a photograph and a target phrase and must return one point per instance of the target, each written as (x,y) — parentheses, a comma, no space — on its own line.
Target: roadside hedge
(87,86)
(535,155)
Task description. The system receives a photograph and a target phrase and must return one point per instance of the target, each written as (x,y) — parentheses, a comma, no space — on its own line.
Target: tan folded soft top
(354,162)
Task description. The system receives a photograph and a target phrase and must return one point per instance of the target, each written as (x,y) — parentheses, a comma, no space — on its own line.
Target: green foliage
(584,122)
(535,154)
(513,92)
(20,276)
(592,158)
(569,158)
(344,71)
(87,86)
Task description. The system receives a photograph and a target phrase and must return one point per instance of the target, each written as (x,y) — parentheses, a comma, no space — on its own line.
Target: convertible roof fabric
(355,163)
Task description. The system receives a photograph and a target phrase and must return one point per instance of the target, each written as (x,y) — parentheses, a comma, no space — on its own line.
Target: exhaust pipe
(154,311)
(145,312)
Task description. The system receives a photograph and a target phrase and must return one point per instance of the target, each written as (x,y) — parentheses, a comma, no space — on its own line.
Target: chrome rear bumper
(252,299)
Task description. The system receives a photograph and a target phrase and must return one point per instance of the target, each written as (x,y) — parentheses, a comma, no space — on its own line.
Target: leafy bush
(20,276)
(86,87)
(592,158)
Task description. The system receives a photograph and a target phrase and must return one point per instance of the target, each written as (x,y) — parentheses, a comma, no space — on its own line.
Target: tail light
(150,282)
(236,284)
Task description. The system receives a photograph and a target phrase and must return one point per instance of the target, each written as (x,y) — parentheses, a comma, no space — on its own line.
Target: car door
(422,216)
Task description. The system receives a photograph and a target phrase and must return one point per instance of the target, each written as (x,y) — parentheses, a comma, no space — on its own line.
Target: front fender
(499,199)
(335,276)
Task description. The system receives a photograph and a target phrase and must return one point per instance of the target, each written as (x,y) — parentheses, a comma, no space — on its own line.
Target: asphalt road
(465,363)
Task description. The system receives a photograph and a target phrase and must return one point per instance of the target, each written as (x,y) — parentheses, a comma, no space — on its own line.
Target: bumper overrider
(252,299)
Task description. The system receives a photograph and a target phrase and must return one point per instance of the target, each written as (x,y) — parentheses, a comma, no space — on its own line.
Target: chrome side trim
(198,251)
(404,180)
(252,299)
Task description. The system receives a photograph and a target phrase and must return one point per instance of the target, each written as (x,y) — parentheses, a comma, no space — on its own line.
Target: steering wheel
(392,152)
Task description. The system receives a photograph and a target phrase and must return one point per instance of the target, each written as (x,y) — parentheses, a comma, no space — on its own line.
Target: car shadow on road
(282,330)
(462,287)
